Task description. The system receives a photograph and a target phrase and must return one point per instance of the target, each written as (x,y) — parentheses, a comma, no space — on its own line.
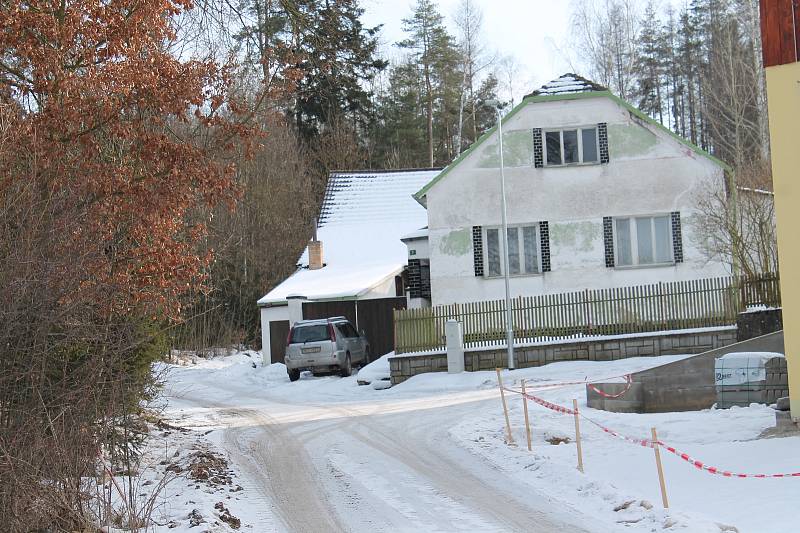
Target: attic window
(572,146)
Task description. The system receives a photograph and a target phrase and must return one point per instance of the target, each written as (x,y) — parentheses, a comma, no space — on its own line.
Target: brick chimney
(315,255)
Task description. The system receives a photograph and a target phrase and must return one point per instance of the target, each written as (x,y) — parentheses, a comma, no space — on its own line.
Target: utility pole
(506,273)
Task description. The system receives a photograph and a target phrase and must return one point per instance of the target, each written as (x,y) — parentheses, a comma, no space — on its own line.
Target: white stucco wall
(269,314)
(419,247)
(649,173)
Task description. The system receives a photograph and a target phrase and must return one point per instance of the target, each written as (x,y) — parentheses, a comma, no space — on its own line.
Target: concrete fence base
(403,367)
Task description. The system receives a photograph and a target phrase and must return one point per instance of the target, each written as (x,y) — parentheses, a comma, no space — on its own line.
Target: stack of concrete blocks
(767,391)
(777,384)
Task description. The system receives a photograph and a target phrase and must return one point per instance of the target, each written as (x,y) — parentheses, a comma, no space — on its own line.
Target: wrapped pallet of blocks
(741,378)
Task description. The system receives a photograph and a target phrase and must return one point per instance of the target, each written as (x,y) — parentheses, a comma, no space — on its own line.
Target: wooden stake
(527,421)
(509,437)
(578,434)
(660,470)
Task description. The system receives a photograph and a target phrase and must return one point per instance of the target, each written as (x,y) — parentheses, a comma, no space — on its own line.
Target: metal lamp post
(506,274)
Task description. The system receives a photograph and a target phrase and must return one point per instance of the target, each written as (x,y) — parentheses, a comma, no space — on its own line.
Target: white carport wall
(270,314)
(295,308)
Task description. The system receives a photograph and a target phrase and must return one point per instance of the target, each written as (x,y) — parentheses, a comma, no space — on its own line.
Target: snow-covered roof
(567,84)
(363,217)
(421,233)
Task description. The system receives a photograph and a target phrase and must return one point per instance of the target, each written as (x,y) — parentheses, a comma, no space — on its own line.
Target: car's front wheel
(347,368)
(294,375)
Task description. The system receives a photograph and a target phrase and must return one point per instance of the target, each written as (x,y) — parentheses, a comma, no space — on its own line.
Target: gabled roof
(567,87)
(363,216)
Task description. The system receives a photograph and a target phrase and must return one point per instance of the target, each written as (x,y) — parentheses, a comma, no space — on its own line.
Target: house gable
(565,220)
(518,149)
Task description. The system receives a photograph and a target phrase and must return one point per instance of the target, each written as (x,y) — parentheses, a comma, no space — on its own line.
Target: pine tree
(433,49)
(334,57)
(650,66)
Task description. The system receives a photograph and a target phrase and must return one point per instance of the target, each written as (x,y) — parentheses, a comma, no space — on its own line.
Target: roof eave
(355,296)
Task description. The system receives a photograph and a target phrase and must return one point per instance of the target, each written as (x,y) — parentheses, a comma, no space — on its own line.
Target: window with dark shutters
(523,243)
(642,240)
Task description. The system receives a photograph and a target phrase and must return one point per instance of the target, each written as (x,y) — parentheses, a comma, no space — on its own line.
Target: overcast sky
(531,30)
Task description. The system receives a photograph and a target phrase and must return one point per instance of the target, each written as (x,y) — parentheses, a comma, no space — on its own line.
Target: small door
(278,331)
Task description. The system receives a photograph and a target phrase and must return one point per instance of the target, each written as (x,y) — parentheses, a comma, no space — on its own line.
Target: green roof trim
(696,149)
(419,195)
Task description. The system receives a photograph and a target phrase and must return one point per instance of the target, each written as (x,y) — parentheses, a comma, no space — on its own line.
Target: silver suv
(325,345)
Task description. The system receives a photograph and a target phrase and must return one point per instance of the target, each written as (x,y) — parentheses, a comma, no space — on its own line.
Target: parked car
(325,345)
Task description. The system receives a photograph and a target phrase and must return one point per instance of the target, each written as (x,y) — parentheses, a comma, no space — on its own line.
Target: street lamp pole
(506,273)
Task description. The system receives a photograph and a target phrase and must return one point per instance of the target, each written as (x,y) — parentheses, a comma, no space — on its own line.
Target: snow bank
(375,372)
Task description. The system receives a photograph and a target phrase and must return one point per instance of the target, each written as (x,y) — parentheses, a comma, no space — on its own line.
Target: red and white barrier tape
(544,403)
(714,470)
(534,386)
(628,381)
(649,443)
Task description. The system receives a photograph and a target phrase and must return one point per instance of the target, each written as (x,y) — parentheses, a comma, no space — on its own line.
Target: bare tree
(475,58)
(737,225)
(257,245)
(734,96)
(607,35)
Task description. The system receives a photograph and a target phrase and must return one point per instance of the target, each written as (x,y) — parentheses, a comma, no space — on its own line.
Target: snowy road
(324,454)
(378,467)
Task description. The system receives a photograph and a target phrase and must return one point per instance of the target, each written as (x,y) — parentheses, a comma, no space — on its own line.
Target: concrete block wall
(688,384)
(622,347)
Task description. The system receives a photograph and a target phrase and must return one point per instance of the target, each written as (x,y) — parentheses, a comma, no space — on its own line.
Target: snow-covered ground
(325,454)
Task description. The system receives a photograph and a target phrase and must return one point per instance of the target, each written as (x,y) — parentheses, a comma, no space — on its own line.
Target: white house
(357,254)
(599,195)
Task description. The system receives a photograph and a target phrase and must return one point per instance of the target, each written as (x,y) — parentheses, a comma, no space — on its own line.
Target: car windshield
(310,333)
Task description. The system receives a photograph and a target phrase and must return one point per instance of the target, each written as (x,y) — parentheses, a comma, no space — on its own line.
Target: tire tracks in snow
(420,450)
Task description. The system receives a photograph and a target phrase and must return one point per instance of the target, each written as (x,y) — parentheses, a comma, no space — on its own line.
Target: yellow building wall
(783,93)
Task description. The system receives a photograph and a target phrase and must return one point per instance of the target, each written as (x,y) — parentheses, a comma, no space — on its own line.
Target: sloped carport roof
(363,217)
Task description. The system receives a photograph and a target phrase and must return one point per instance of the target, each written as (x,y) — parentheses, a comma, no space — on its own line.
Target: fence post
(660,470)
(509,437)
(454,340)
(527,420)
(578,434)
(742,294)
(394,330)
(587,312)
